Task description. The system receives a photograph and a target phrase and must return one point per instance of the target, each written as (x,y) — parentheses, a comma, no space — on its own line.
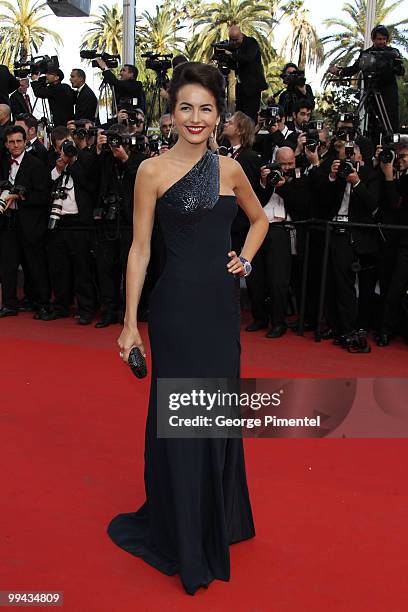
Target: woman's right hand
(129,338)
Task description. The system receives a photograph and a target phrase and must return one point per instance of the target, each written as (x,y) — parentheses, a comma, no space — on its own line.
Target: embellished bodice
(196,221)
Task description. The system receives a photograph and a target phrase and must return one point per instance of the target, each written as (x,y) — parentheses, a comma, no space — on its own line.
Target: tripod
(106,95)
(160,82)
(375,119)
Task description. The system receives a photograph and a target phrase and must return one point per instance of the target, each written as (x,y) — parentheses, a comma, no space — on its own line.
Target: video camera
(37,65)
(225,62)
(6,188)
(158,62)
(294,79)
(389,143)
(375,63)
(112,61)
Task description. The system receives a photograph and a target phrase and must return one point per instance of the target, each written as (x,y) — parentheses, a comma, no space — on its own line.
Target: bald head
(5,113)
(235,35)
(285,155)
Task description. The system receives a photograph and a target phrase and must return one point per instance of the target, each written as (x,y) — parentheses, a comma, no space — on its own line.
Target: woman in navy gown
(197,500)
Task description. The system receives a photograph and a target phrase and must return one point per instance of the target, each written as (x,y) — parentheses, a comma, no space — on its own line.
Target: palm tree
(303,44)
(159,32)
(350,40)
(106,35)
(213,20)
(21,30)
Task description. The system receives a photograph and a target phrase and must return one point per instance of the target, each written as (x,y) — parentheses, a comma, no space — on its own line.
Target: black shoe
(256,325)
(84,320)
(383,339)
(8,312)
(41,312)
(26,306)
(277,331)
(45,315)
(107,319)
(354,342)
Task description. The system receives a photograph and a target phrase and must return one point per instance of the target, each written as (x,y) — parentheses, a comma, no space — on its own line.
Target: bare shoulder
(148,168)
(230,168)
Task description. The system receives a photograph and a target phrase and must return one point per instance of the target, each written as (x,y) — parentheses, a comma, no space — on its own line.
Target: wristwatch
(246,264)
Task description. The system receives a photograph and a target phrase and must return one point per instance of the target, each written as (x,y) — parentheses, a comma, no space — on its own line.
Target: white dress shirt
(69,205)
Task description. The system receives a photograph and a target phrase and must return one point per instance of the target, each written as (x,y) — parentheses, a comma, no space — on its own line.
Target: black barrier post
(318,333)
(301,323)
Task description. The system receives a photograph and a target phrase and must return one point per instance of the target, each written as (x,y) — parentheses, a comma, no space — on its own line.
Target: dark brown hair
(246,128)
(207,76)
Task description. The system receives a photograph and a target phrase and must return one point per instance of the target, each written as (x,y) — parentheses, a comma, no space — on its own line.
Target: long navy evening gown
(197,500)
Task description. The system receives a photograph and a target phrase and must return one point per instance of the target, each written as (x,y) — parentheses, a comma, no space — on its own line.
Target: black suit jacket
(60,98)
(82,172)
(249,67)
(126,89)
(17,104)
(39,151)
(251,163)
(33,210)
(85,103)
(364,201)
(8,83)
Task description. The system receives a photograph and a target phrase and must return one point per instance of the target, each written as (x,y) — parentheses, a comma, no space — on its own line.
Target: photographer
(246,57)
(20,100)
(394,210)
(274,133)
(118,164)
(69,230)
(84,133)
(296,89)
(85,100)
(127,88)
(285,197)
(23,223)
(8,84)
(240,131)
(348,194)
(33,145)
(59,95)
(389,65)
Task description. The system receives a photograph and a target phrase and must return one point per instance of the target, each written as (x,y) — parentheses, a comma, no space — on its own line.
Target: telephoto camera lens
(345,169)
(275,174)
(3,203)
(69,149)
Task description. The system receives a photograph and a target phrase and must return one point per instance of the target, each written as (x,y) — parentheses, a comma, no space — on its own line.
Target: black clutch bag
(137,363)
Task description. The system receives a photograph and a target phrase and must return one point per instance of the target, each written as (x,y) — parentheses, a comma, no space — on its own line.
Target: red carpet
(331,515)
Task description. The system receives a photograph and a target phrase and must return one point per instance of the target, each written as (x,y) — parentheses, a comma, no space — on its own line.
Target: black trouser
(14,248)
(248,104)
(70,262)
(111,251)
(271,271)
(341,292)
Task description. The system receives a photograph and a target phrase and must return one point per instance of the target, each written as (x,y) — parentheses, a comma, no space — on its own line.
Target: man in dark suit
(85,100)
(20,100)
(68,243)
(33,145)
(24,223)
(59,95)
(249,72)
(128,91)
(8,84)
(240,132)
(350,199)
(389,65)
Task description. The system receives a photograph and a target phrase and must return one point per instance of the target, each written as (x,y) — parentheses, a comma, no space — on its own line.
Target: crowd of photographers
(66,209)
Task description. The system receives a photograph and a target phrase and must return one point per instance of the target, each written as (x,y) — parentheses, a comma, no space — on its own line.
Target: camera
(69,149)
(160,63)
(132,112)
(294,79)
(81,131)
(37,65)
(347,167)
(6,188)
(225,63)
(376,62)
(312,129)
(58,195)
(112,61)
(135,141)
(390,143)
(270,113)
(275,175)
(345,133)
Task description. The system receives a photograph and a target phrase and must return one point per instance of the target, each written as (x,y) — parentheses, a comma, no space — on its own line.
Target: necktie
(27,102)
(13,161)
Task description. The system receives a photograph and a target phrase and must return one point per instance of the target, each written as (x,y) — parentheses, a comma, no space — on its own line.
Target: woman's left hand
(235,265)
